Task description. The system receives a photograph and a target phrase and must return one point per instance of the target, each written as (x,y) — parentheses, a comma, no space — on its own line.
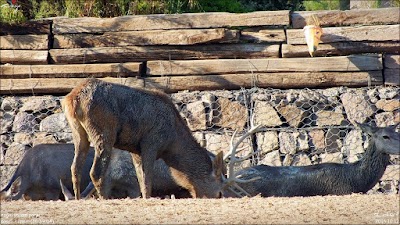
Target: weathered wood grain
(54,85)
(79,70)
(30,27)
(333,18)
(391,61)
(29,41)
(151,37)
(170,21)
(346,34)
(392,76)
(208,82)
(24,56)
(223,66)
(341,48)
(260,35)
(144,53)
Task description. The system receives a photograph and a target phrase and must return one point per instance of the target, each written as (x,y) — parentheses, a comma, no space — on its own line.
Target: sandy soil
(350,209)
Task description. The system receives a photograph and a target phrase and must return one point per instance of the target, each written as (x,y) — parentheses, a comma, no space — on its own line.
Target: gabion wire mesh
(299,127)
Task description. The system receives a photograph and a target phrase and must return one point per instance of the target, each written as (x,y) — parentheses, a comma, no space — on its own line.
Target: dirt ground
(350,209)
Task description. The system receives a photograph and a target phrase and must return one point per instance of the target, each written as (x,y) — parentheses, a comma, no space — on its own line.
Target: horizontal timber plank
(150,37)
(24,56)
(30,27)
(333,18)
(79,70)
(54,85)
(223,66)
(341,34)
(170,21)
(144,53)
(392,76)
(341,48)
(265,80)
(391,61)
(260,35)
(209,82)
(29,41)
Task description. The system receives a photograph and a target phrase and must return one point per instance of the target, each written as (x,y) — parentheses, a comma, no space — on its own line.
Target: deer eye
(386,137)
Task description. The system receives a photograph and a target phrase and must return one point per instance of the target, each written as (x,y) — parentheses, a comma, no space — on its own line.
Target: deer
(145,123)
(320,179)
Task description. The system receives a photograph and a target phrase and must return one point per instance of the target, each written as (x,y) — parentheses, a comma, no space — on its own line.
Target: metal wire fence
(299,127)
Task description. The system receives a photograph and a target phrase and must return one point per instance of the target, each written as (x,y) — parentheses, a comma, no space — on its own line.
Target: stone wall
(300,127)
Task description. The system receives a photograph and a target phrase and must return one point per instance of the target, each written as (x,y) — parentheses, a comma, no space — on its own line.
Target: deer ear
(218,164)
(67,194)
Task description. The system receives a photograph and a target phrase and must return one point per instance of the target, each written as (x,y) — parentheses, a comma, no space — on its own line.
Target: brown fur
(145,123)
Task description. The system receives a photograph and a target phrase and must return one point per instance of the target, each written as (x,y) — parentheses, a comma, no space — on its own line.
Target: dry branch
(346,34)
(223,66)
(348,17)
(169,22)
(152,37)
(144,53)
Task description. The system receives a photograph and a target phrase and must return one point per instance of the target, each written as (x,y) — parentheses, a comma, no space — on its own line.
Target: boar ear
(218,164)
(67,194)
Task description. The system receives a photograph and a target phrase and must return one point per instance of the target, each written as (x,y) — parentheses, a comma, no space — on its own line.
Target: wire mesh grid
(299,127)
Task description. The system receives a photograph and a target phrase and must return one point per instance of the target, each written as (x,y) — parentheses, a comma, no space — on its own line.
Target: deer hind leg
(81,144)
(101,161)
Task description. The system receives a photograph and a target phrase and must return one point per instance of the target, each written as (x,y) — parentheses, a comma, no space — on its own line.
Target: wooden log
(54,85)
(29,41)
(150,37)
(392,76)
(144,53)
(79,70)
(266,80)
(30,27)
(391,61)
(346,34)
(333,18)
(24,56)
(170,21)
(341,48)
(209,82)
(260,35)
(223,66)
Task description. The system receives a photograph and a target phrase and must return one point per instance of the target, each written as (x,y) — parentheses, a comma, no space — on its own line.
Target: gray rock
(287,143)
(36,104)
(7,119)
(387,118)
(333,141)
(6,173)
(353,145)
(357,108)
(25,122)
(336,157)
(23,138)
(272,159)
(55,123)
(301,159)
(265,115)
(388,92)
(230,114)
(292,114)
(14,154)
(317,139)
(328,118)
(388,105)
(267,141)
(10,104)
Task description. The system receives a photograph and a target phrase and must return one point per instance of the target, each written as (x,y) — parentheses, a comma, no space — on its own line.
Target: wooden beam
(144,53)
(79,70)
(169,22)
(54,85)
(333,18)
(30,27)
(209,82)
(24,56)
(392,76)
(150,37)
(29,41)
(223,66)
(341,48)
(391,61)
(347,34)
(261,35)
